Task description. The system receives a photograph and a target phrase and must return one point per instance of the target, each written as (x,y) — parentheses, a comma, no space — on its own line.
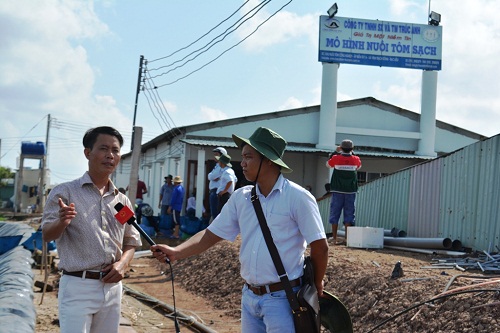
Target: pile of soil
(208,290)
(362,279)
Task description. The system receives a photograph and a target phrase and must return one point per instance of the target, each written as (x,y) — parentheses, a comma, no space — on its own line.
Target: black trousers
(223,199)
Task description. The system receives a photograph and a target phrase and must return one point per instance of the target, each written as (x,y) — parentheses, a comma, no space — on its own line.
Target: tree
(5,173)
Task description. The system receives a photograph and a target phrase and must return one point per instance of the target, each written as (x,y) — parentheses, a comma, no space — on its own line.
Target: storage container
(365,237)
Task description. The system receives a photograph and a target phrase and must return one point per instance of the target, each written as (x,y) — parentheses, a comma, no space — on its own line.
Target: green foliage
(6,173)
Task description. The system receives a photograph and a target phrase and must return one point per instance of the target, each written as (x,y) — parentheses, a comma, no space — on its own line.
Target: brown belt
(262,290)
(88,274)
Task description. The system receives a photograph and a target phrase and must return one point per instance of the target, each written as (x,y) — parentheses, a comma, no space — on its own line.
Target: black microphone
(126,215)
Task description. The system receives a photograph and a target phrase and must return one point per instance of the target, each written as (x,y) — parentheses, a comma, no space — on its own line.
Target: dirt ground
(207,289)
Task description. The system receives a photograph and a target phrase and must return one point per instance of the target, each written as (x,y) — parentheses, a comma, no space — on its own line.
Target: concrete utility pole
(139,79)
(41,185)
(134,167)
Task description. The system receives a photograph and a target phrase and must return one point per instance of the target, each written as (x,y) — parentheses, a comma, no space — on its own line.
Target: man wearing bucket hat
(176,205)
(214,180)
(294,221)
(227,181)
(344,185)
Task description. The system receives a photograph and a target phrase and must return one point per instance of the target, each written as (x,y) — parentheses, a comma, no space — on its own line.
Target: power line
(168,120)
(227,50)
(20,140)
(185,47)
(210,44)
(151,109)
(148,86)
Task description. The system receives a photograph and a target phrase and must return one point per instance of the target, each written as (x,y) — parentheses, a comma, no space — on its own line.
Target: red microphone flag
(124,215)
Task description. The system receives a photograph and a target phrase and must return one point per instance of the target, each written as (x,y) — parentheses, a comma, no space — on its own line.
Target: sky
(77,62)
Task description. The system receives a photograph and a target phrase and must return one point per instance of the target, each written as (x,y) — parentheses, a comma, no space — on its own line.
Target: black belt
(88,274)
(213,190)
(270,288)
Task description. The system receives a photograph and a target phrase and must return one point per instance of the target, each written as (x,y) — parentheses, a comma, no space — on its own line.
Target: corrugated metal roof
(298,148)
(210,142)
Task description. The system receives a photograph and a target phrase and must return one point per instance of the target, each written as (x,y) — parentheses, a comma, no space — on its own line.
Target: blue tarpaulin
(17,311)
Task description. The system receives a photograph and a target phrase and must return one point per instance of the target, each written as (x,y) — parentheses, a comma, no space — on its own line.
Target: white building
(386,138)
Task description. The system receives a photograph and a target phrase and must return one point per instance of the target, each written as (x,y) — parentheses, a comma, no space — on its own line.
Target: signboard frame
(379,43)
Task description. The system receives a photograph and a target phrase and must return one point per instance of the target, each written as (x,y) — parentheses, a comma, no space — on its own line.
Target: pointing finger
(61,203)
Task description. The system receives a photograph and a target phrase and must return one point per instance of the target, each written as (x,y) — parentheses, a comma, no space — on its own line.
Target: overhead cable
(19,141)
(185,47)
(162,106)
(227,50)
(211,44)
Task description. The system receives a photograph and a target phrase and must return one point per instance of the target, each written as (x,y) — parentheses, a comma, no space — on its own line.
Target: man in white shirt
(293,218)
(214,179)
(227,181)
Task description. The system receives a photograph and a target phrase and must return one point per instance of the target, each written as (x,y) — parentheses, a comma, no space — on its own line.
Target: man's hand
(66,213)
(53,231)
(162,252)
(114,272)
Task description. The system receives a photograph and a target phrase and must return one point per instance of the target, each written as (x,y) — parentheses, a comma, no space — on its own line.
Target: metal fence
(455,196)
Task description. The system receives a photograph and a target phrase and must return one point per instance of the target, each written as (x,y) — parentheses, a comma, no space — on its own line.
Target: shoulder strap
(292,298)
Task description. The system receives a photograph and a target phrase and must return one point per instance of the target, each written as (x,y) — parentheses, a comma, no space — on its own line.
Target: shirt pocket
(282,226)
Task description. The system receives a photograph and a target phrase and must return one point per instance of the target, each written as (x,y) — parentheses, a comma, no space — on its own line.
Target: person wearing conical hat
(294,220)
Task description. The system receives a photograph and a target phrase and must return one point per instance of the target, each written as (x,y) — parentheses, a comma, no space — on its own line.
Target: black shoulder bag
(304,304)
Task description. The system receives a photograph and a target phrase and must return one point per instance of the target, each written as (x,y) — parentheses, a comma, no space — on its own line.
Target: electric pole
(139,79)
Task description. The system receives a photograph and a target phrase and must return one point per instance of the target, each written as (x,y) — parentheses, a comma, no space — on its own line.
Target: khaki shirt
(94,238)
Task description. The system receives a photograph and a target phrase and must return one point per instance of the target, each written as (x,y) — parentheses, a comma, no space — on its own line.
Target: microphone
(126,215)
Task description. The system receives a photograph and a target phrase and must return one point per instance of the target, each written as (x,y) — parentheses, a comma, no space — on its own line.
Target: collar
(85,179)
(278,186)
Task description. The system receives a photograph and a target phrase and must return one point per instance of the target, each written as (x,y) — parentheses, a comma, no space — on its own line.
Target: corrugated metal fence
(455,196)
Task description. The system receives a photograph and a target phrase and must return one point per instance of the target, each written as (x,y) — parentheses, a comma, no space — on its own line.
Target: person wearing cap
(227,181)
(294,220)
(176,205)
(165,195)
(343,185)
(214,180)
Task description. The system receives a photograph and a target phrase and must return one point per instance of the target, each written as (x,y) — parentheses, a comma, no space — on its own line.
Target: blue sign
(379,43)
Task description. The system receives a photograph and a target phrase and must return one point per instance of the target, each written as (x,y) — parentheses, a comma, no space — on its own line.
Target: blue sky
(78,61)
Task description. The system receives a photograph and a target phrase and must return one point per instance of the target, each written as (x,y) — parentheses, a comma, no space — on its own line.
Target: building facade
(385,136)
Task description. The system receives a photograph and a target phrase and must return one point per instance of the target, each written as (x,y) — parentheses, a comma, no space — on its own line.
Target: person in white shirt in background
(191,206)
(227,182)
(214,179)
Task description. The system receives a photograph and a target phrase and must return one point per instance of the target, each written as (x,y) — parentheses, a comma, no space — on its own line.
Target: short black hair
(90,136)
